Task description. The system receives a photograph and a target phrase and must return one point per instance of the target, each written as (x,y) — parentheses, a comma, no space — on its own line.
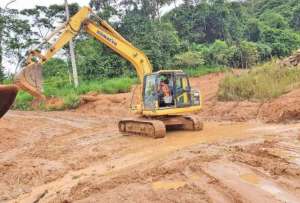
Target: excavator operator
(165,92)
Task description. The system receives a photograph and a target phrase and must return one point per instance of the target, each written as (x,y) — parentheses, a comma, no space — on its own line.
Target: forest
(197,36)
(192,34)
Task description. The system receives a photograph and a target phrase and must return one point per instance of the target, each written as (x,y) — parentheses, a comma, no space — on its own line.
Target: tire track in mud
(190,170)
(91,161)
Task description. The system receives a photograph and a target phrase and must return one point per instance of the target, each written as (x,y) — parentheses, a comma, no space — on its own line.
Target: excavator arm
(28,78)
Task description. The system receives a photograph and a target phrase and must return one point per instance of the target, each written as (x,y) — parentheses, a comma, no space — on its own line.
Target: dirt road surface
(79,156)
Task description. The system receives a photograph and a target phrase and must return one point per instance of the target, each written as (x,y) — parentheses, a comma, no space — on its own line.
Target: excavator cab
(169,90)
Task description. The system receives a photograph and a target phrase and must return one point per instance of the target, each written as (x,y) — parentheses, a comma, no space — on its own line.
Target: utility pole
(72,54)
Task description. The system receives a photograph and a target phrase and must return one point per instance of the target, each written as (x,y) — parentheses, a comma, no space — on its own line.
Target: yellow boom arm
(103,32)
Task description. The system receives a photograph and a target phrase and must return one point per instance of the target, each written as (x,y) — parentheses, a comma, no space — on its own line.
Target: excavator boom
(29,78)
(167,111)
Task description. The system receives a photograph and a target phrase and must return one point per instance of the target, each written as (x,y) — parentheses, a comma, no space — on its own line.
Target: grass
(260,83)
(61,88)
(23,101)
(203,70)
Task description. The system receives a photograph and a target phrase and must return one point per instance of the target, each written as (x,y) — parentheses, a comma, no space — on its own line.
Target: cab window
(182,91)
(150,92)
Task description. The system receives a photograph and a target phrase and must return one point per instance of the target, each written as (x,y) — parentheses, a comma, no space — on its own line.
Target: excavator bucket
(30,79)
(8,94)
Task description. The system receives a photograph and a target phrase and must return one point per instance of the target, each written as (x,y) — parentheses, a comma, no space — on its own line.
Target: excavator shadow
(8,95)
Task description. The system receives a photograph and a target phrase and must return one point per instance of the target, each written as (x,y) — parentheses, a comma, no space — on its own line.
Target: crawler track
(149,128)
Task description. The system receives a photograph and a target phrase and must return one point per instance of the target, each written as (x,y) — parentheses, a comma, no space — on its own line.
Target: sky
(22,4)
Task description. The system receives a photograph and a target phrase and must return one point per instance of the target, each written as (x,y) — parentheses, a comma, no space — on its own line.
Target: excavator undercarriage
(157,128)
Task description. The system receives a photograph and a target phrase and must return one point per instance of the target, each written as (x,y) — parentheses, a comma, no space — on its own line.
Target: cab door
(182,91)
(149,92)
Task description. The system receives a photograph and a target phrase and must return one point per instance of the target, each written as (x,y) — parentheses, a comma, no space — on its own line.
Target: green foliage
(96,61)
(246,54)
(117,85)
(274,20)
(203,70)
(220,53)
(295,20)
(158,39)
(57,87)
(261,83)
(193,35)
(188,59)
(23,101)
(55,67)
(282,42)
(253,30)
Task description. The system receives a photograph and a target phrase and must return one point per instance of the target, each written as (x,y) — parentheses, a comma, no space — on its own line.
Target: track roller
(149,128)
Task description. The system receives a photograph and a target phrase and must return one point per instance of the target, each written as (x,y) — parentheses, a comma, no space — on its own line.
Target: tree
(220,53)
(44,19)
(55,67)
(188,59)
(295,22)
(18,38)
(282,42)
(274,20)
(158,39)
(247,54)
(253,30)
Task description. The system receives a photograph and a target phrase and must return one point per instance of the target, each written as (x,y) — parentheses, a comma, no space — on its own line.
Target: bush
(274,20)
(61,88)
(23,101)
(203,70)
(246,54)
(282,42)
(117,85)
(219,53)
(261,83)
(189,59)
(55,67)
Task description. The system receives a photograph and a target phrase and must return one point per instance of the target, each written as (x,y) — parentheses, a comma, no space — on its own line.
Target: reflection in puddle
(167,185)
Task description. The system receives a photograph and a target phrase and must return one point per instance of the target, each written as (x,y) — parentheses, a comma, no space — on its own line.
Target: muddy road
(79,156)
(72,157)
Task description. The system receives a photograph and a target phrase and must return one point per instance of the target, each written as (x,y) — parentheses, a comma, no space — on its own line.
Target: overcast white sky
(21,4)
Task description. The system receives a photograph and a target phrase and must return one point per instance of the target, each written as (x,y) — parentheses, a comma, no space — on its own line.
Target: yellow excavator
(165,97)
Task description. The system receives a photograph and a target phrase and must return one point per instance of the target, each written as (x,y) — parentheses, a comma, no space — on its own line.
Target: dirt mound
(293,60)
(105,104)
(282,109)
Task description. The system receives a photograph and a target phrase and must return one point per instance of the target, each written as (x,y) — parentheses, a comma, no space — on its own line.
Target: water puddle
(296,161)
(212,132)
(268,187)
(250,178)
(167,185)
(277,192)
